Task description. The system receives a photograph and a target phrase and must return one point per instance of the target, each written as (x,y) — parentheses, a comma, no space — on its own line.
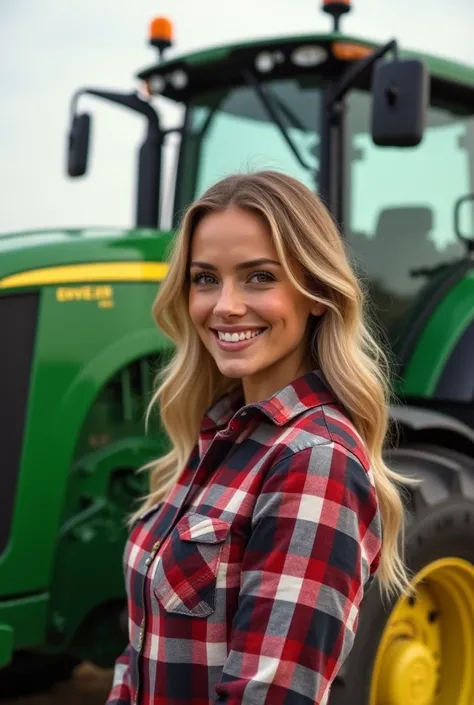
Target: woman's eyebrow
(243,265)
(202,265)
(257,263)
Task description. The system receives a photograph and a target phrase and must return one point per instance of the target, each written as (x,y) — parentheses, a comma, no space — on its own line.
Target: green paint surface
(438,339)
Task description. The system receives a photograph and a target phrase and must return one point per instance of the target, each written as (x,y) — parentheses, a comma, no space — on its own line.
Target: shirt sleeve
(314,545)
(120,693)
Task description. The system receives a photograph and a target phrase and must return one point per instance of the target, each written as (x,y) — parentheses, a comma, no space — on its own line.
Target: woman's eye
(261,278)
(202,278)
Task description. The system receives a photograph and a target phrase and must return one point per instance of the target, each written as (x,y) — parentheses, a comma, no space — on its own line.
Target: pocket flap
(203,529)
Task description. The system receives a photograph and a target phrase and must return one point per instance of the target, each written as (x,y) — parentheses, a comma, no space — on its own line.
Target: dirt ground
(88,686)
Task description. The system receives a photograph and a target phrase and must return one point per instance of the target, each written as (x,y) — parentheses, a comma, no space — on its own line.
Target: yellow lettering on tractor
(103,295)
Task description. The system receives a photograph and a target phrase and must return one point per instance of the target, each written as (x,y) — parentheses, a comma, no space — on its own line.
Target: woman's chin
(234,369)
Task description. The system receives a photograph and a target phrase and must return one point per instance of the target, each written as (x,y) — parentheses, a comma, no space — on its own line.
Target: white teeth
(237,337)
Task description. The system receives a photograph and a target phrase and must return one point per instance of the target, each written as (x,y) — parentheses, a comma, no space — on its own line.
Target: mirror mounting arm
(354,72)
(468,242)
(333,132)
(149,160)
(128,100)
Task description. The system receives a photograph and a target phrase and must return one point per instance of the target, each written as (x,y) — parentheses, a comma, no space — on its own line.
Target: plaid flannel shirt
(244,586)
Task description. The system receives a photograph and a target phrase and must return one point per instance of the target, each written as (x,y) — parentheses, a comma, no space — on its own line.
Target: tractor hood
(40,257)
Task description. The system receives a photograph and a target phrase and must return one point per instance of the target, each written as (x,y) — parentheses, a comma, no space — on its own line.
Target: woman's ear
(318,309)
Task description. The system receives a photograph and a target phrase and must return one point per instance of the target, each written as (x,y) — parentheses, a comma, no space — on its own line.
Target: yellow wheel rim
(426,654)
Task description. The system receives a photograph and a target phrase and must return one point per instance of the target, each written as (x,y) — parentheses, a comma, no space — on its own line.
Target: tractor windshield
(233,132)
(398,202)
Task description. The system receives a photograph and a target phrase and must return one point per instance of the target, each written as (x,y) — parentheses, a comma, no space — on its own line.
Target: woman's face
(249,316)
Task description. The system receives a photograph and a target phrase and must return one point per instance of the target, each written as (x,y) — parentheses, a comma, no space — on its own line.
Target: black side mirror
(400,92)
(78,145)
(464,220)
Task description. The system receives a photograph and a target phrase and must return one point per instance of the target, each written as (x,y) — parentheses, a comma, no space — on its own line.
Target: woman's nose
(230,303)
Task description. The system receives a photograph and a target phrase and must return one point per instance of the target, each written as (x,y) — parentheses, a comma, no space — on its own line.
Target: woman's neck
(271,380)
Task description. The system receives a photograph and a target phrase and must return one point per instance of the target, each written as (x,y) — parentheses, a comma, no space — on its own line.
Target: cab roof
(221,66)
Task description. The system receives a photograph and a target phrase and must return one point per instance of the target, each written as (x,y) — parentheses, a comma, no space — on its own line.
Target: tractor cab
(385,137)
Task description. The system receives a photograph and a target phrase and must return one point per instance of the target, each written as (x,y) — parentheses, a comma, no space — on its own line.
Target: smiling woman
(247,564)
(248,314)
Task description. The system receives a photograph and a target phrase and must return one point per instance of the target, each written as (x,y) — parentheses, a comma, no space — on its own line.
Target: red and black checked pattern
(244,587)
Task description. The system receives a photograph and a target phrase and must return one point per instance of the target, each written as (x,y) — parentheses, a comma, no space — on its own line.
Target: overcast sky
(48,48)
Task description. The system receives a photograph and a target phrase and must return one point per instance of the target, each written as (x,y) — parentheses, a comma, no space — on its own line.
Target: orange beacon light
(161,34)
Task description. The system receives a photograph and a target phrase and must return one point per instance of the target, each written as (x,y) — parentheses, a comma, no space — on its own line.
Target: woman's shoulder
(324,425)
(307,414)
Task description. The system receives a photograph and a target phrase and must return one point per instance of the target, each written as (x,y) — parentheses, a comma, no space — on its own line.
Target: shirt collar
(223,410)
(304,393)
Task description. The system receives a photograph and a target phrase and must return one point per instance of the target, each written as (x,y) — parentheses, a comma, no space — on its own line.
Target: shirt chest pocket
(185,578)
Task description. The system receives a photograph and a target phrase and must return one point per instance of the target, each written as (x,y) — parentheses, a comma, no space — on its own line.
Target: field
(89,686)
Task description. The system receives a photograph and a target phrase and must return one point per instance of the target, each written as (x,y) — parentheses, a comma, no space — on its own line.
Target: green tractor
(387,139)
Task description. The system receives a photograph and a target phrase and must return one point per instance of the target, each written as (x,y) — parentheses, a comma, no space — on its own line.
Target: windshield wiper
(268,103)
(292,118)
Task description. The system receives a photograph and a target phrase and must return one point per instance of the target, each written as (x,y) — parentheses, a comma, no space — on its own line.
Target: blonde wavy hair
(344,349)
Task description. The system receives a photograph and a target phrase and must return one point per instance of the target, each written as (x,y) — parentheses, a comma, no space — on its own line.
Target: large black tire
(440,524)
(31,673)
